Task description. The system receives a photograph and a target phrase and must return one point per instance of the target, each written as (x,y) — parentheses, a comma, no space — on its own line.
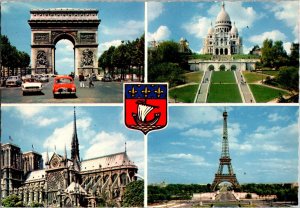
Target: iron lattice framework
(225,161)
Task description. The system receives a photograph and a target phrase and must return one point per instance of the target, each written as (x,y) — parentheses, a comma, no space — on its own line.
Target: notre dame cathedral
(65,181)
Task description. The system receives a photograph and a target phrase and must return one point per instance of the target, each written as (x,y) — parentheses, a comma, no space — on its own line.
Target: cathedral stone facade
(224,38)
(65,181)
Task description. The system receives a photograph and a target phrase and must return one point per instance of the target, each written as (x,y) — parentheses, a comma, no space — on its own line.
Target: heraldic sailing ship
(145,106)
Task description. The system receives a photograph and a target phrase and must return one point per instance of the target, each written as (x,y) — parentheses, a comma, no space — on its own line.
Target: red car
(63,85)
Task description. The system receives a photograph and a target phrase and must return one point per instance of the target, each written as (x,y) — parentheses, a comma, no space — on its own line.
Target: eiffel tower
(225,161)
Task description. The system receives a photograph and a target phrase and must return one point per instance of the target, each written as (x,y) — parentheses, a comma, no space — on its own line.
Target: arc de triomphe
(48,26)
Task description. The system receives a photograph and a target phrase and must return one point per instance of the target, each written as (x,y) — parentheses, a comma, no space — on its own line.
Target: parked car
(107,78)
(13,81)
(63,85)
(44,78)
(31,86)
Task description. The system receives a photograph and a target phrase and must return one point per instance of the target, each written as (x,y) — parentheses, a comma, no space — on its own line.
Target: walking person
(81,80)
(91,84)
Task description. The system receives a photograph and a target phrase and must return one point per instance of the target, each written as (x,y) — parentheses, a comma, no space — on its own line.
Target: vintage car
(44,78)
(63,85)
(13,81)
(31,86)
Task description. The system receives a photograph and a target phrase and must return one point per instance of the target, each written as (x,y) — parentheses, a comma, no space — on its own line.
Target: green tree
(12,201)
(168,51)
(267,53)
(288,77)
(166,72)
(134,194)
(279,55)
(294,57)
(222,67)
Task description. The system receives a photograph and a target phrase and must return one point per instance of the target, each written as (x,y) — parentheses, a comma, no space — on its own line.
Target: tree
(267,53)
(279,55)
(166,72)
(168,51)
(12,201)
(11,57)
(288,77)
(134,194)
(222,67)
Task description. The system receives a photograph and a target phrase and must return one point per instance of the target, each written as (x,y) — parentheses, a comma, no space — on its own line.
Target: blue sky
(263,145)
(101,131)
(119,21)
(172,20)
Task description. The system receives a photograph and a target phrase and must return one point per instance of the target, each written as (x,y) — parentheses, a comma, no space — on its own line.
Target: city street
(103,92)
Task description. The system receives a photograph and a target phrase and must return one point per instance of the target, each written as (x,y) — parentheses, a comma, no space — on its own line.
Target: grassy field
(263,94)
(184,94)
(252,77)
(271,73)
(193,77)
(223,77)
(224,93)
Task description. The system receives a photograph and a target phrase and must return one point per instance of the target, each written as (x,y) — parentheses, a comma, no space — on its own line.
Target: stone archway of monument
(48,26)
(64,57)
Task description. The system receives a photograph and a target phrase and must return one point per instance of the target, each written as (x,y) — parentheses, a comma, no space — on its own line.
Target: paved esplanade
(204,86)
(245,90)
(103,92)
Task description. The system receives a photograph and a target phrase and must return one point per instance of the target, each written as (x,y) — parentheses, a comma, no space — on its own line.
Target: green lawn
(252,77)
(224,93)
(223,77)
(263,94)
(193,77)
(184,94)
(271,73)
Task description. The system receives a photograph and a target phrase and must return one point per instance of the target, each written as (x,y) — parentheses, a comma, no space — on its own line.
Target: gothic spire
(47,157)
(75,144)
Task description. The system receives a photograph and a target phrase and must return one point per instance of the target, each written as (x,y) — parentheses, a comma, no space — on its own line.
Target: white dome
(234,30)
(210,31)
(223,15)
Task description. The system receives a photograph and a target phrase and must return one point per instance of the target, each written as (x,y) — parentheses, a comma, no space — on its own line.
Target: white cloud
(287,47)
(275,117)
(270,139)
(106,45)
(162,33)
(198,26)
(274,35)
(198,132)
(7,7)
(289,13)
(181,156)
(29,112)
(192,116)
(178,143)
(63,135)
(155,9)
(105,143)
(64,46)
(127,30)
(46,121)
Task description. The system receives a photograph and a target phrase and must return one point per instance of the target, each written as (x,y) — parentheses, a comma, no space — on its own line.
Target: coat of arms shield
(145,106)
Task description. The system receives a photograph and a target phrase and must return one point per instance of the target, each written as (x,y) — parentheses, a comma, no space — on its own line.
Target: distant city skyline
(263,145)
(255,21)
(119,21)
